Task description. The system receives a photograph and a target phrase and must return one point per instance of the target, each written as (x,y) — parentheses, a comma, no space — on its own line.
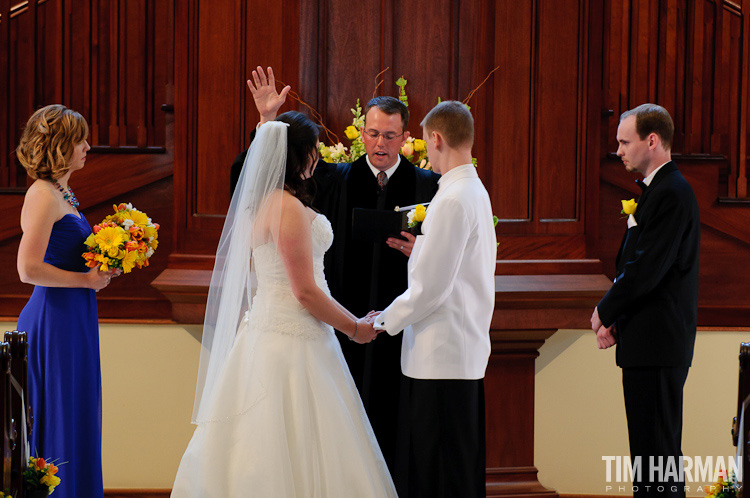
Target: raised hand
(267,99)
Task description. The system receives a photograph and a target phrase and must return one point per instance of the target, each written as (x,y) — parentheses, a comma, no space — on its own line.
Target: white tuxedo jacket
(446,311)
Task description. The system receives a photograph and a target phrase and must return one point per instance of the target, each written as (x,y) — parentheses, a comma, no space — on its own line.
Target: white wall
(580,414)
(148,374)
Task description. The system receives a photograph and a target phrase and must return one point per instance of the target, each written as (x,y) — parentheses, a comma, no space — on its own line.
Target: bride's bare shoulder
(293,207)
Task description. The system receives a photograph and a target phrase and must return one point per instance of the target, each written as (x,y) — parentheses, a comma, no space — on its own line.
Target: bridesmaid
(61,318)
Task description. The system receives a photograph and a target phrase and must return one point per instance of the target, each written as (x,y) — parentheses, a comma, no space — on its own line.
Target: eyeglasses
(387,136)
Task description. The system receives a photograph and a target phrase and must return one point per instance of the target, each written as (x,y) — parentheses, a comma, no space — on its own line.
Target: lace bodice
(270,269)
(274,307)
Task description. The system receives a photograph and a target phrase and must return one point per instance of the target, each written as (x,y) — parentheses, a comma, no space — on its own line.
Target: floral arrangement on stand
(415,150)
(123,240)
(40,478)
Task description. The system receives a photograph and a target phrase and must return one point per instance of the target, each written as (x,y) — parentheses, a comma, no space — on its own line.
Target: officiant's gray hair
(454,121)
(390,106)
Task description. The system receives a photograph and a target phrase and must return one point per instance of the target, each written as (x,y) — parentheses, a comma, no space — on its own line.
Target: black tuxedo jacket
(654,299)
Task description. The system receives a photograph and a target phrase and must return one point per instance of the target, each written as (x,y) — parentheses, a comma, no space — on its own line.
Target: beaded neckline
(67,193)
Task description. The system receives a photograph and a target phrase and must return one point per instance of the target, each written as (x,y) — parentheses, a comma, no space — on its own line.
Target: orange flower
(131,245)
(52,469)
(90,258)
(156,225)
(121,207)
(136,232)
(142,247)
(40,463)
(96,228)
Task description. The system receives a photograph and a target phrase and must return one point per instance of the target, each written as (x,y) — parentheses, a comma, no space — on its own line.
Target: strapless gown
(65,389)
(287,420)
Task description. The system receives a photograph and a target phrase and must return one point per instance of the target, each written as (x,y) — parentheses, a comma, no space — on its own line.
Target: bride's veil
(233,280)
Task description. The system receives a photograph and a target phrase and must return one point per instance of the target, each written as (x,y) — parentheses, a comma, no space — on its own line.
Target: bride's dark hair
(302,142)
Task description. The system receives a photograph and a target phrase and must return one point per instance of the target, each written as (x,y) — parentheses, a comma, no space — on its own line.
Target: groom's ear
(439,140)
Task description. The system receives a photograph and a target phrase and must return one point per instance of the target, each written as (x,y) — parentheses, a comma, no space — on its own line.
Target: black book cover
(376,225)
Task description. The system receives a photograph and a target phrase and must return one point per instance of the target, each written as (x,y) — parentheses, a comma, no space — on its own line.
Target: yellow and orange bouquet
(123,240)
(40,475)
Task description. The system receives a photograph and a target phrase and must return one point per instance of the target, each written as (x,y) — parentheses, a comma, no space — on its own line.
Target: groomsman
(445,317)
(650,311)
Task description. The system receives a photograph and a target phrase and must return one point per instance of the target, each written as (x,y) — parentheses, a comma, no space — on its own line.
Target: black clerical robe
(364,276)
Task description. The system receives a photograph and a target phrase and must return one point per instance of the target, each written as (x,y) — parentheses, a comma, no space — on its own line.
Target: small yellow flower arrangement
(416,216)
(123,240)
(722,488)
(628,206)
(40,475)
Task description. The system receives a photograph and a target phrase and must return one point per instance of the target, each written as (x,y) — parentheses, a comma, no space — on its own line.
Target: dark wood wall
(546,119)
(112,61)
(534,116)
(692,57)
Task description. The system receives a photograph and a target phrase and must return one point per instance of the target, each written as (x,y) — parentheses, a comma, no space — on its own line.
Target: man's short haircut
(652,118)
(453,120)
(390,106)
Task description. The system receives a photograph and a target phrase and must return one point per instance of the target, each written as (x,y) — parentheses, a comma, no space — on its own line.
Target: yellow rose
(629,206)
(351,132)
(420,145)
(419,213)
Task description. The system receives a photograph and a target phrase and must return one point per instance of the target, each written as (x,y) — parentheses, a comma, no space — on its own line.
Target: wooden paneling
(697,68)
(112,62)
(690,57)
(556,161)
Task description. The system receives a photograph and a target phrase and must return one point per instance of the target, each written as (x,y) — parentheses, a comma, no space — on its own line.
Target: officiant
(363,275)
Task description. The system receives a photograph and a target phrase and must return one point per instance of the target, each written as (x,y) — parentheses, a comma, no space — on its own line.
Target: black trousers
(653,406)
(442,439)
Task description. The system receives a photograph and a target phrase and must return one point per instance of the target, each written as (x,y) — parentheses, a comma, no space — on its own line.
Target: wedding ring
(402,248)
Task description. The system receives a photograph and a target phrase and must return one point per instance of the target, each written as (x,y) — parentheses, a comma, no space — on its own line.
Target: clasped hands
(366,331)
(606,337)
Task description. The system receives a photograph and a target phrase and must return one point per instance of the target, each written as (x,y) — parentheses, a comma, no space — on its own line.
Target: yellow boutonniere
(416,215)
(629,206)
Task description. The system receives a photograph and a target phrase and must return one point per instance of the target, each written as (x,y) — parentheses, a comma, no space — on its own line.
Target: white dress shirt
(389,172)
(445,313)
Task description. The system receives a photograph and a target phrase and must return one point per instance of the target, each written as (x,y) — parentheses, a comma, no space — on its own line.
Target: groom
(445,315)
(650,311)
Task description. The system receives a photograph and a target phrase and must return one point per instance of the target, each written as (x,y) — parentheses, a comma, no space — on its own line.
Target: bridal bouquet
(40,476)
(123,240)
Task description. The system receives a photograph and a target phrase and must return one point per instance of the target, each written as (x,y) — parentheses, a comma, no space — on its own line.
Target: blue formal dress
(64,373)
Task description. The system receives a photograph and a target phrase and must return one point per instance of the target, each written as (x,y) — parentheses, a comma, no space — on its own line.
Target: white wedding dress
(287,420)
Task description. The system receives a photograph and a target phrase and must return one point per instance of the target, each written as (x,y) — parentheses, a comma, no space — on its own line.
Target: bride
(276,410)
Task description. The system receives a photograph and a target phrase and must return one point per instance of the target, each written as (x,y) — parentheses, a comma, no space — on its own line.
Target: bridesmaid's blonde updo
(48,141)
